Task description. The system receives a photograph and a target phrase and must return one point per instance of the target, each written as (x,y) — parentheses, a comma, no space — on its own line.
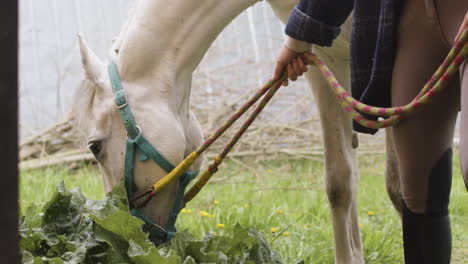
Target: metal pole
(9,131)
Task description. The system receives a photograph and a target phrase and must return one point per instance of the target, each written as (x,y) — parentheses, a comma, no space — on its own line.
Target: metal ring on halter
(158,227)
(138,128)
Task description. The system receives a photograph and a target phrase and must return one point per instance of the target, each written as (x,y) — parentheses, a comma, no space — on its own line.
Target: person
(396,46)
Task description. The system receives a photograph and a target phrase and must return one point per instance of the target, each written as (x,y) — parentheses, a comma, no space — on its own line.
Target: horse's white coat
(156,53)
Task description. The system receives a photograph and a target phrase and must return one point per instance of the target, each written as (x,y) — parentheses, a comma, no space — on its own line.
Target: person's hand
(463,26)
(293,61)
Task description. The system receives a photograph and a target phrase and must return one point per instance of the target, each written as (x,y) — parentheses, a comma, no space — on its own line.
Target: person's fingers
(291,73)
(285,83)
(296,67)
(302,64)
(278,70)
(305,60)
(285,57)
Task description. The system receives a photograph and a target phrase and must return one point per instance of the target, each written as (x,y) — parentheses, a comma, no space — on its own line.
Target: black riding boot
(427,237)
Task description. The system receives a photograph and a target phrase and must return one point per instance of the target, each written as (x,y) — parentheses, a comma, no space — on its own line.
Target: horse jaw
(92,65)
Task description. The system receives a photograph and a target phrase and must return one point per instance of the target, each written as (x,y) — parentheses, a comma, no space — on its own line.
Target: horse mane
(82,108)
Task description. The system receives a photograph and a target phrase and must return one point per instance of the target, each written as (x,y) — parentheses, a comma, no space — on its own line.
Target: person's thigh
(423,139)
(451,14)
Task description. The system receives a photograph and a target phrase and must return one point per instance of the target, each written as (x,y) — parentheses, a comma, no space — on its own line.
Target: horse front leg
(341,170)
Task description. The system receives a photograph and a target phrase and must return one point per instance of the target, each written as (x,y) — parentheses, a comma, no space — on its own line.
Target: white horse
(156,54)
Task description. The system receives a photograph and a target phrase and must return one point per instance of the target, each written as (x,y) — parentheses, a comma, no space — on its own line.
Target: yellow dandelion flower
(220,225)
(186,211)
(279,211)
(216,202)
(204,213)
(285,233)
(274,229)
(371,213)
(246,205)
(270,171)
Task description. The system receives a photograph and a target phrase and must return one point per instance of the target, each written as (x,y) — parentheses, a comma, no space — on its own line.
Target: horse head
(142,144)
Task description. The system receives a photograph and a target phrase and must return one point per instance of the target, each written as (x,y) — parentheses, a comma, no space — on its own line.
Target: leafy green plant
(72,229)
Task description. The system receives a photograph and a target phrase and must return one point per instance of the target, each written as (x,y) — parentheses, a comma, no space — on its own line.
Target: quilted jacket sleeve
(318,21)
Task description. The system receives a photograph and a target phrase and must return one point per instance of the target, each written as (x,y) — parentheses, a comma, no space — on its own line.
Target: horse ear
(92,66)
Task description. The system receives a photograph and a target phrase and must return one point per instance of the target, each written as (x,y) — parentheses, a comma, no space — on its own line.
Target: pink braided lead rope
(395,114)
(435,85)
(246,106)
(266,93)
(212,169)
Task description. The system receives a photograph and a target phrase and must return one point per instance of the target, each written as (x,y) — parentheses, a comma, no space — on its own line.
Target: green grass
(275,195)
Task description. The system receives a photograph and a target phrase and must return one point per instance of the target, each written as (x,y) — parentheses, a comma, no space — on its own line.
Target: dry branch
(55,160)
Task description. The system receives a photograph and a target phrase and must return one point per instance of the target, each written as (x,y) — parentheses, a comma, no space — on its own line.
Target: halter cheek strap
(137,143)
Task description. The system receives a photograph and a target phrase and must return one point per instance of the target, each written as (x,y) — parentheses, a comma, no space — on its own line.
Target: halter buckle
(120,99)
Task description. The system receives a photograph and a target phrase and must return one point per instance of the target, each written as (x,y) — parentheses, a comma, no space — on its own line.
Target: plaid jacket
(373,41)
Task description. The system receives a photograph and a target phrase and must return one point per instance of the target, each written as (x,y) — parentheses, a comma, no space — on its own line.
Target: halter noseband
(136,142)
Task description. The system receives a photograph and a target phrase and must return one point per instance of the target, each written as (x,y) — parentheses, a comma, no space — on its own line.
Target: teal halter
(137,142)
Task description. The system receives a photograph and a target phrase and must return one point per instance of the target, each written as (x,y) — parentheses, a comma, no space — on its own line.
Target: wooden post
(9,131)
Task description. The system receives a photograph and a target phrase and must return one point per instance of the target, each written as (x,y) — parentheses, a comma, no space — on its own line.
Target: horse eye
(95,148)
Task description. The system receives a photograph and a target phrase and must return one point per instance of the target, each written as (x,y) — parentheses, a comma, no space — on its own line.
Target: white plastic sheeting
(241,58)
(50,69)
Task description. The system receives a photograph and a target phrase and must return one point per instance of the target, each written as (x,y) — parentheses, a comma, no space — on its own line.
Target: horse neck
(165,41)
